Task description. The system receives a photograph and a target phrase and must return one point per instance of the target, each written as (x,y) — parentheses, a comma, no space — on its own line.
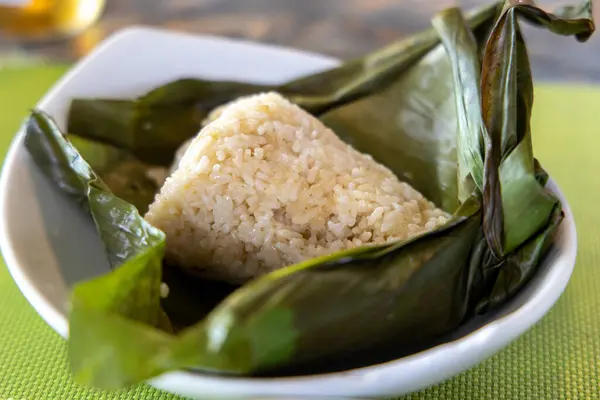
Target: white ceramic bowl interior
(39,227)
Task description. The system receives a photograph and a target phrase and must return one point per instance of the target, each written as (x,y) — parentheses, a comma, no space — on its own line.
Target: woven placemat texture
(559,358)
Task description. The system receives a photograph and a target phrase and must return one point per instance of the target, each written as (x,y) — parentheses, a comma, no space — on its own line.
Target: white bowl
(39,226)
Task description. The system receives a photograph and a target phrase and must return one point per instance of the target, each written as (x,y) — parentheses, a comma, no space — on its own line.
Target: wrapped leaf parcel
(446,110)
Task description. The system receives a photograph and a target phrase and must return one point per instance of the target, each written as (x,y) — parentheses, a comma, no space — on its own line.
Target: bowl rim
(468,348)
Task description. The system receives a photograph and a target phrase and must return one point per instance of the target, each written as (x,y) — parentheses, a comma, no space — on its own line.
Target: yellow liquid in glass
(43,19)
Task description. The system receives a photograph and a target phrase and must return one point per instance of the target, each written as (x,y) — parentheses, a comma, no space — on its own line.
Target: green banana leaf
(127,177)
(447,110)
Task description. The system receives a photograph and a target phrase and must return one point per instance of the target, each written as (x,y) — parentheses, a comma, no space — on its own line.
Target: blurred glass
(47,19)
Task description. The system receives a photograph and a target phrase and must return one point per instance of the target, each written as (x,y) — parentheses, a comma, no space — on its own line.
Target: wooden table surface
(341,28)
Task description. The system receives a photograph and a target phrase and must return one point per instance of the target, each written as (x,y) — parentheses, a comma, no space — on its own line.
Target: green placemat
(558,359)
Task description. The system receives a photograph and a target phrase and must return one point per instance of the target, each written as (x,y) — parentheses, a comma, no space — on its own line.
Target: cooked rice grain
(266,184)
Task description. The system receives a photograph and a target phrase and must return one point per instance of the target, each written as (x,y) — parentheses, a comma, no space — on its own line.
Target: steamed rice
(265,184)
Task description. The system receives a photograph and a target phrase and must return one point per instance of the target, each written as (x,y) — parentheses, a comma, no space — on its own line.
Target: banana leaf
(128,178)
(447,110)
